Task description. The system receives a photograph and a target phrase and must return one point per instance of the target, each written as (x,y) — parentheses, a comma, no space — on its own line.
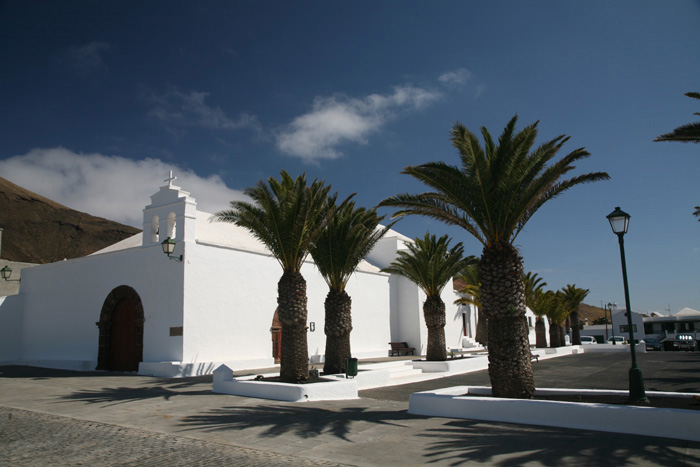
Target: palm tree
(349,236)
(469,276)
(492,196)
(540,306)
(430,263)
(689,133)
(573,297)
(533,285)
(557,313)
(287,216)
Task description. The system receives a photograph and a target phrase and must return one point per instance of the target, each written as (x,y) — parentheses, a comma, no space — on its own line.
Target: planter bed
(454,365)
(332,387)
(475,403)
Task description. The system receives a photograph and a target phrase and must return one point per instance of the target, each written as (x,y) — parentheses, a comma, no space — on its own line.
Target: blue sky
(100,99)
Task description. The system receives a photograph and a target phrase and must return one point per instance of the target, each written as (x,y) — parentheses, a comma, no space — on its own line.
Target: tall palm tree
(557,313)
(540,305)
(430,263)
(288,217)
(573,297)
(492,196)
(469,276)
(533,285)
(349,236)
(689,133)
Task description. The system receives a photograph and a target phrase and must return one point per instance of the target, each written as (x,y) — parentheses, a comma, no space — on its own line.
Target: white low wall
(453,366)
(614,348)
(333,388)
(648,421)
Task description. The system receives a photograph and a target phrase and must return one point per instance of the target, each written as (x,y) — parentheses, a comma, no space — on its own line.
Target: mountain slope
(38,230)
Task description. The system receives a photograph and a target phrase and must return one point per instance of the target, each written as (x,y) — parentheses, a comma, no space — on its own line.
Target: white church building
(129,307)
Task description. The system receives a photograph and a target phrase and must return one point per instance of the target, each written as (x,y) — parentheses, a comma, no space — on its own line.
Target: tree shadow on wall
(305,422)
(501,444)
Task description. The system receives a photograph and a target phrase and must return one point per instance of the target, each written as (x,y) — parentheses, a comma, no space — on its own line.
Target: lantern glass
(168,246)
(619,221)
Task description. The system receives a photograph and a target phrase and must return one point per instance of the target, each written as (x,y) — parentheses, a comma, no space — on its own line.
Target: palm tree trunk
(503,301)
(575,331)
(554,334)
(540,334)
(482,330)
(562,337)
(291,298)
(337,328)
(434,313)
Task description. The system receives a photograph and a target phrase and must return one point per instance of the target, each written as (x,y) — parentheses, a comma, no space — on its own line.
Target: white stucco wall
(63,301)
(10,328)
(231,297)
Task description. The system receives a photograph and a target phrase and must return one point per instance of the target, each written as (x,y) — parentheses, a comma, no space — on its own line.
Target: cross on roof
(170,178)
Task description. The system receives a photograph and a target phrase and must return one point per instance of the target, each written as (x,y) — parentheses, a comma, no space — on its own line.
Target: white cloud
(339,119)
(457,77)
(112,187)
(190,110)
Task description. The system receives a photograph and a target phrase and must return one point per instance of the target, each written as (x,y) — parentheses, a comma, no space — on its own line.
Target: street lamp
(619,221)
(168,247)
(6,273)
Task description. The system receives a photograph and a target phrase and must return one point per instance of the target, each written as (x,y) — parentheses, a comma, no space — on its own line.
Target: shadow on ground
(467,441)
(305,422)
(114,396)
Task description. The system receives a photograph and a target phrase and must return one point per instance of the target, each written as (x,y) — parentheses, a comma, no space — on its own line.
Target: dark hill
(38,230)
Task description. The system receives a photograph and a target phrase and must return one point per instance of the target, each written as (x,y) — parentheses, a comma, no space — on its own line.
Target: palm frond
(496,189)
(430,263)
(348,237)
(286,215)
(689,133)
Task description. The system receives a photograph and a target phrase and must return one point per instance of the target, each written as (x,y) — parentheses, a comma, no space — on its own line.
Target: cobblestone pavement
(36,439)
(58,417)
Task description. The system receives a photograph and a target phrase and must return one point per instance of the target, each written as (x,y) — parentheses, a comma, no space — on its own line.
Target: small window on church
(154,229)
(171,225)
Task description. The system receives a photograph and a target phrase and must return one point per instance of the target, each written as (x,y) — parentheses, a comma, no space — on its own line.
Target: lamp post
(619,221)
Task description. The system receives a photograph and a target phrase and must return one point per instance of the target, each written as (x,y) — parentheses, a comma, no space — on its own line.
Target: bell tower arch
(172,213)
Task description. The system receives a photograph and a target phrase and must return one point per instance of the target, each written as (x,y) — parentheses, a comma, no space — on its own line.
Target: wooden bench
(398,347)
(534,357)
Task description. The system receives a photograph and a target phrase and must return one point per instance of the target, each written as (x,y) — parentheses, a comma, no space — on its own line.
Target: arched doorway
(121,331)
(276,330)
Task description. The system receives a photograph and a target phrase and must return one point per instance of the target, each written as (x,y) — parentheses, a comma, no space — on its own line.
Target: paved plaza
(54,417)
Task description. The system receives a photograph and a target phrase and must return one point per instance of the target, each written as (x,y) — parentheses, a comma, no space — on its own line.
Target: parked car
(588,340)
(685,342)
(618,340)
(652,343)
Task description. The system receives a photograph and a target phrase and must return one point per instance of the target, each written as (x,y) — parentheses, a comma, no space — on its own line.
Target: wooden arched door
(121,331)
(276,330)
(122,348)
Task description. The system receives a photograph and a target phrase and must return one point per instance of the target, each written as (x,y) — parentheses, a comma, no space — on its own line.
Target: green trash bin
(350,367)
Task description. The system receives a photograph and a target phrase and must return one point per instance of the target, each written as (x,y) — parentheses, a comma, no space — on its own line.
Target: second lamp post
(619,221)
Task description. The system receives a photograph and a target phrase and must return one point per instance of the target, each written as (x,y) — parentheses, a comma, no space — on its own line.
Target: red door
(123,354)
